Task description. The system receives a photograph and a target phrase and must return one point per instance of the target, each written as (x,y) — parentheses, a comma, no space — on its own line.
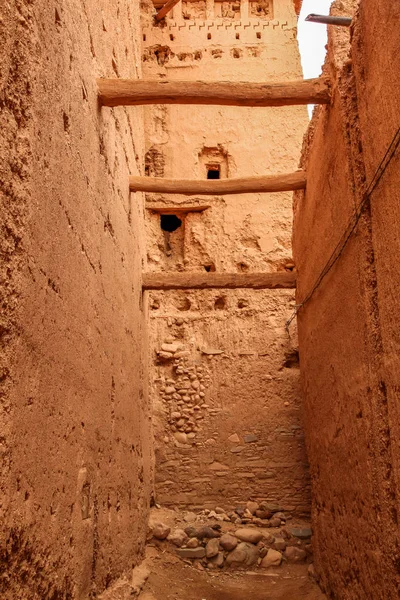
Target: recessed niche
(210,268)
(243,267)
(154,163)
(214,162)
(183,303)
(155,304)
(194,10)
(263,9)
(170,223)
(227,10)
(292,360)
(220,303)
(242,303)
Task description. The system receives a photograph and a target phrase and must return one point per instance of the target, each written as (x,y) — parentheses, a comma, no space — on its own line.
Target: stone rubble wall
(227,404)
(348,331)
(75,437)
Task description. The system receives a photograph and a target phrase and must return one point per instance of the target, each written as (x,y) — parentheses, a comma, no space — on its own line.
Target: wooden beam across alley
(220,187)
(168,6)
(133,92)
(206,281)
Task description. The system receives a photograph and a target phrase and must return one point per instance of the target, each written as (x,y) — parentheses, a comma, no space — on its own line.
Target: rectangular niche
(194,10)
(213,163)
(262,9)
(227,10)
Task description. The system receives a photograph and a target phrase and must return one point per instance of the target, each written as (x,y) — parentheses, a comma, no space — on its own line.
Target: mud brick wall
(75,484)
(348,331)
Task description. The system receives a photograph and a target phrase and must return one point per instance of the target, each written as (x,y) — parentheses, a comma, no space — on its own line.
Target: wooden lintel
(177,208)
(204,281)
(131,92)
(165,9)
(220,187)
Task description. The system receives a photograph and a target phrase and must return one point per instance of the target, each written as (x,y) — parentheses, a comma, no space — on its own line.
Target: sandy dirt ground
(172,579)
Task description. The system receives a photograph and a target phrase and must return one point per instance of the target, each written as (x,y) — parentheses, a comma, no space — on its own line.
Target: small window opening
(171,37)
(238,36)
(213,172)
(259,35)
(144,37)
(170,222)
(209,36)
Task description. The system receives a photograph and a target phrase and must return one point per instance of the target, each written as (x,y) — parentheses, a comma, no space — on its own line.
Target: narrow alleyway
(199,340)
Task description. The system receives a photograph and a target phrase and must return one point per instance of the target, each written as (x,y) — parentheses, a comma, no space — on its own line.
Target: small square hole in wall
(258,35)
(171,37)
(170,223)
(238,36)
(209,36)
(213,172)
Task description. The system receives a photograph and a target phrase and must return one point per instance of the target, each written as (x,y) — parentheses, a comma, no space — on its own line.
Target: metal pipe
(328,20)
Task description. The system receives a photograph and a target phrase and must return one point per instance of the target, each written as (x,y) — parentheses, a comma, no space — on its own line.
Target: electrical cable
(352,224)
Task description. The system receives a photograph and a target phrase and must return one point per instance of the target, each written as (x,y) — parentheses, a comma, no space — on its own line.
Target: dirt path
(172,579)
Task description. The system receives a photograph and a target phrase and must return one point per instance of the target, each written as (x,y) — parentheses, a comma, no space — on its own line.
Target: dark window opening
(210,268)
(213,172)
(258,35)
(170,222)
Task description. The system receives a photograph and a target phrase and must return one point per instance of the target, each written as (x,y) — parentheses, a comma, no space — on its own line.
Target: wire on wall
(351,226)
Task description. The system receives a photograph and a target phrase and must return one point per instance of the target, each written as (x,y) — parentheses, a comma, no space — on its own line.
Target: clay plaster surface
(347,333)
(75,487)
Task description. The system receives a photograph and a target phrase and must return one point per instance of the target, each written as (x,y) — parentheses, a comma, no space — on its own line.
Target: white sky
(312,37)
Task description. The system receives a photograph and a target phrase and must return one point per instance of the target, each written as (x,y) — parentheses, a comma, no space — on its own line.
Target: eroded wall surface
(348,332)
(75,439)
(226,396)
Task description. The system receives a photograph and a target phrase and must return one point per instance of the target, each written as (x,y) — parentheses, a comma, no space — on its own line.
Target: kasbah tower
(224,376)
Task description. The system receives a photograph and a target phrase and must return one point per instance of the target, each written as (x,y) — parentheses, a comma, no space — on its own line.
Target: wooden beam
(131,92)
(204,281)
(220,187)
(165,9)
(177,208)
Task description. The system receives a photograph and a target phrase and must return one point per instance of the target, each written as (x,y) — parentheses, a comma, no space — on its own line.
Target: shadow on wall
(28,572)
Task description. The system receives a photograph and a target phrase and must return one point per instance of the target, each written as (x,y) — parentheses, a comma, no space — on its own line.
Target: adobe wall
(75,485)
(236,432)
(348,330)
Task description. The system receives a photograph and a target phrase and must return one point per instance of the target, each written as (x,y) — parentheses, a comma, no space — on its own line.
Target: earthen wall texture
(348,330)
(236,432)
(75,483)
